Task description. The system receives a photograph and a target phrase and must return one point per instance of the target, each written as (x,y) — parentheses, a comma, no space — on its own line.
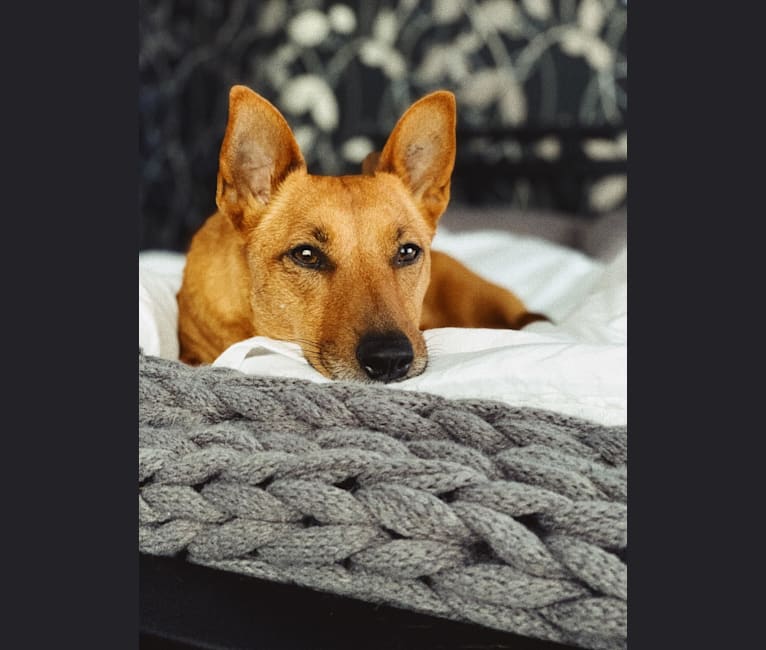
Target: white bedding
(576,365)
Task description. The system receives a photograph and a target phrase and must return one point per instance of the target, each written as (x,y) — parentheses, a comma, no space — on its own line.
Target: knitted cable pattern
(512,518)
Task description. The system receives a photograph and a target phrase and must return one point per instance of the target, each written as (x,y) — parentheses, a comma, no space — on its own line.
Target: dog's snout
(385,357)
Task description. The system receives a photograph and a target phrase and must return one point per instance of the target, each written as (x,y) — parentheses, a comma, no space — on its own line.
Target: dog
(340,265)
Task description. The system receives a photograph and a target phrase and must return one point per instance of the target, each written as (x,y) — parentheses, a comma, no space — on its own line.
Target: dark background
(541,88)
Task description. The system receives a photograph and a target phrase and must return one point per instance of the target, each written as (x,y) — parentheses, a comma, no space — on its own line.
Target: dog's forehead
(337,208)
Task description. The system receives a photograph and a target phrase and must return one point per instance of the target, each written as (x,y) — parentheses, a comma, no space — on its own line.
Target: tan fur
(241,279)
(458,297)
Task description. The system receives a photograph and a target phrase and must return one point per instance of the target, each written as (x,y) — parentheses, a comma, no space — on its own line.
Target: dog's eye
(308,257)
(407,254)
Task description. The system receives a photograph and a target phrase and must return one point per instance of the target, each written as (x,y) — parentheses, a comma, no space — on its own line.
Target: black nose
(385,357)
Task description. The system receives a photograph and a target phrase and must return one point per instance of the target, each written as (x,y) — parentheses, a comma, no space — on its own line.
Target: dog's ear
(370,163)
(258,152)
(421,151)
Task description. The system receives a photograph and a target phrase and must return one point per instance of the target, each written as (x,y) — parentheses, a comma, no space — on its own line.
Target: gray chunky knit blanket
(512,518)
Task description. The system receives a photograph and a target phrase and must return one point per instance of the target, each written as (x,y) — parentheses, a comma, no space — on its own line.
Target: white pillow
(602,314)
(159,279)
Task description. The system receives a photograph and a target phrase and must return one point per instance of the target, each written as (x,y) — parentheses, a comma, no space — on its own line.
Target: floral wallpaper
(541,87)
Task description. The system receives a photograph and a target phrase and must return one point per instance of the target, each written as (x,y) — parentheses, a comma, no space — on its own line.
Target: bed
(492,489)
(480,505)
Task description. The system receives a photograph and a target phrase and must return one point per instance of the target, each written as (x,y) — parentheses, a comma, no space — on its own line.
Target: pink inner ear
(258,180)
(418,159)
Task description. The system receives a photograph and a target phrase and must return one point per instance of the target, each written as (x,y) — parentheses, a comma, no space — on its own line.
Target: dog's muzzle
(385,357)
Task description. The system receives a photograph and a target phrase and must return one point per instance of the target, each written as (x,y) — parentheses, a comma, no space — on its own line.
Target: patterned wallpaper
(541,87)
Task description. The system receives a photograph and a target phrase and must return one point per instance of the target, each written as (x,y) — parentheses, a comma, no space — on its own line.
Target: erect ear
(421,151)
(258,152)
(370,163)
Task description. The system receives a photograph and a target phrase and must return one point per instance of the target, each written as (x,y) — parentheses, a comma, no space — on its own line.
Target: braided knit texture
(473,510)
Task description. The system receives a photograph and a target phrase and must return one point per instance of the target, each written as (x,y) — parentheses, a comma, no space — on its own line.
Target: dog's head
(339,265)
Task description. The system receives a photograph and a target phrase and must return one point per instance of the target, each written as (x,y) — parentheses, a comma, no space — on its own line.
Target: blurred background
(541,87)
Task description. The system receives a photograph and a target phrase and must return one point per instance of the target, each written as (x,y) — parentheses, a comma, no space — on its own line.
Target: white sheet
(576,366)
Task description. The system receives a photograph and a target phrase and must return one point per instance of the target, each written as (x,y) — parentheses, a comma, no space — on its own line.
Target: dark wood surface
(184,607)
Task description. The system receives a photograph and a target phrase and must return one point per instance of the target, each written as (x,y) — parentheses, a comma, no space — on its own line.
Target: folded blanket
(513,518)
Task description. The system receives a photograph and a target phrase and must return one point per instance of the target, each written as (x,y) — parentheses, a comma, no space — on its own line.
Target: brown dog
(340,265)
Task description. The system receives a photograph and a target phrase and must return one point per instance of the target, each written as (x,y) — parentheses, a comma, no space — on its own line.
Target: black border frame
(71,572)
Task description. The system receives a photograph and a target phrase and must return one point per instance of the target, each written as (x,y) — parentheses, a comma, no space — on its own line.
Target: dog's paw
(530,317)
